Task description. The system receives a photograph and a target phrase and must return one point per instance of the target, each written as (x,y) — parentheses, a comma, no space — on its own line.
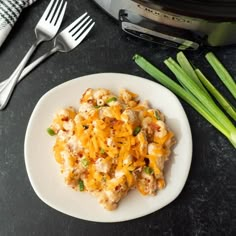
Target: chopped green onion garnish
(84,162)
(148,170)
(81,185)
(157,115)
(51,131)
(222,73)
(97,106)
(102,151)
(112,99)
(136,130)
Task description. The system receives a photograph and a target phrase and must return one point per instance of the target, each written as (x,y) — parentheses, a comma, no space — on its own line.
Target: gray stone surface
(207,203)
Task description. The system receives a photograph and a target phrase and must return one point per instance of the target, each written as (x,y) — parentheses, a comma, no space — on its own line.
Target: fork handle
(31,66)
(34,64)
(7,89)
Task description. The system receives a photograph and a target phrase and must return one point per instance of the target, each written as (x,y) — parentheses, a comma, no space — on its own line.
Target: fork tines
(52,13)
(80,27)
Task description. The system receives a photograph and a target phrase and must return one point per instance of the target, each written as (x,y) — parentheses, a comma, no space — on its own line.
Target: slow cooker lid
(208,9)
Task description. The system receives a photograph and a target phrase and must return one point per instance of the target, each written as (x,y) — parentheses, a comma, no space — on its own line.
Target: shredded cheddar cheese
(112,144)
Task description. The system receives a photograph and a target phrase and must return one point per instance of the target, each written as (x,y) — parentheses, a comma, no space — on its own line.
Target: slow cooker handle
(144,28)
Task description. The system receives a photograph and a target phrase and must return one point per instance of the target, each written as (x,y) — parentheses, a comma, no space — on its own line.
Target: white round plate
(43,170)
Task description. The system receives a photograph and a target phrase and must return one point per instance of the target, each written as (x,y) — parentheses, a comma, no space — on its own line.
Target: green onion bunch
(197,90)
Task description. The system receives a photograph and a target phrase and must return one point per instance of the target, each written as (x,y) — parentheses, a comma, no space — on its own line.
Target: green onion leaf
(112,99)
(221,100)
(81,185)
(148,170)
(104,179)
(51,132)
(136,130)
(84,162)
(97,106)
(157,115)
(188,69)
(199,94)
(186,96)
(222,73)
(102,151)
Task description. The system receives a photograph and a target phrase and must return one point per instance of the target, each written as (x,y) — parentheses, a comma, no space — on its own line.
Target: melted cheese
(104,137)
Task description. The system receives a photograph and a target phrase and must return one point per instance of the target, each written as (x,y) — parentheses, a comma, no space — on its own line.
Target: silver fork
(66,41)
(45,30)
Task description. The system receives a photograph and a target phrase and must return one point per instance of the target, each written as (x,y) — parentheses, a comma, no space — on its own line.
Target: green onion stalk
(199,94)
(201,81)
(223,74)
(228,130)
(188,69)
(229,108)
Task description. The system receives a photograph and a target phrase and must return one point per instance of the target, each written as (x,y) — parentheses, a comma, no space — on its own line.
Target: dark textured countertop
(206,206)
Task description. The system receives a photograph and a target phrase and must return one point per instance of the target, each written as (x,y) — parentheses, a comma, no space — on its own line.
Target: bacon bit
(65,118)
(79,154)
(114,122)
(110,119)
(120,122)
(154,126)
(117,187)
(146,161)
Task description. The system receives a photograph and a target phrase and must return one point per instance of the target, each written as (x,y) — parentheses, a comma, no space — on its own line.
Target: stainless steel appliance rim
(151,21)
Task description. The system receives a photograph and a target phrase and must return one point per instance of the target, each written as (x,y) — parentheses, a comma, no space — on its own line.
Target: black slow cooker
(185,24)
